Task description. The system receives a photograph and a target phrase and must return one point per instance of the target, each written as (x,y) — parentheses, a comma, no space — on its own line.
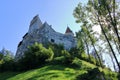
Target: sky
(15,17)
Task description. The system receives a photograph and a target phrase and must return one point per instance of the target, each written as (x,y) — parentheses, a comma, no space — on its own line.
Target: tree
(80,13)
(82,39)
(35,56)
(6,60)
(100,12)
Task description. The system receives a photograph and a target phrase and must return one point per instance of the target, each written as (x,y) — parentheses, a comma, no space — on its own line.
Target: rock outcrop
(43,33)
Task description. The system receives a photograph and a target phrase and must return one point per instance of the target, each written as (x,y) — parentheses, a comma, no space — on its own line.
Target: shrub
(75,52)
(35,56)
(1,56)
(7,66)
(83,56)
(57,49)
(6,61)
(65,53)
(64,59)
(76,62)
(92,60)
(92,74)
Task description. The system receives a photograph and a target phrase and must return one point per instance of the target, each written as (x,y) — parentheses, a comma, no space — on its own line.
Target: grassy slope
(50,72)
(54,72)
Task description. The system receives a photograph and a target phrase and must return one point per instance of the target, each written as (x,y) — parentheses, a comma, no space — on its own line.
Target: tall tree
(83,38)
(100,12)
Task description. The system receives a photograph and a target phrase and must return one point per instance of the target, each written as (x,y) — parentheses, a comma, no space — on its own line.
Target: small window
(20,43)
(52,40)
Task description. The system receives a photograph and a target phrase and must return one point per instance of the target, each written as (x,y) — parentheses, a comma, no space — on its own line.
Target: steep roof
(68,30)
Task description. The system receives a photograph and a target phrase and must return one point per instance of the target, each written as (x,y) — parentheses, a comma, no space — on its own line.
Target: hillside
(56,72)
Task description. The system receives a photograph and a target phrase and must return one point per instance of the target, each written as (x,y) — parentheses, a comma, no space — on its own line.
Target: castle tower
(35,24)
(43,33)
(69,32)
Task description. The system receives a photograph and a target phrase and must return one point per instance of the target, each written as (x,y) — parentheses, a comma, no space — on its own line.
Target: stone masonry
(43,33)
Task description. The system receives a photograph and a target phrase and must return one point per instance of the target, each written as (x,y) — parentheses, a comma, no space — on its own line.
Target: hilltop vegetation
(40,63)
(60,72)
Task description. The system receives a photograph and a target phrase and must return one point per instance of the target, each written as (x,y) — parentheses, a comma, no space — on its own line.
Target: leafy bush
(84,56)
(93,74)
(1,56)
(76,63)
(64,59)
(65,53)
(7,66)
(57,49)
(35,56)
(6,61)
(75,52)
(92,60)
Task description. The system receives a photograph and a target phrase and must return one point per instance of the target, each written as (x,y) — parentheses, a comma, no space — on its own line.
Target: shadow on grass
(47,72)
(43,76)
(7,75)
(50,72)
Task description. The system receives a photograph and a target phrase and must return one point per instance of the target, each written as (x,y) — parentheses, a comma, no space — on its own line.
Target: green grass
(51,72)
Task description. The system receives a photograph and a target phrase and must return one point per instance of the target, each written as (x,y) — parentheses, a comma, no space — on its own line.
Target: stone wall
(43,33)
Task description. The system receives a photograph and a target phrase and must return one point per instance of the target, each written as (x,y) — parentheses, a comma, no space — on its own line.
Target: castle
(43,33)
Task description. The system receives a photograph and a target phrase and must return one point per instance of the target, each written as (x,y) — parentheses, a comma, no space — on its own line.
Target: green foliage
(35,56)
(61,72)
(6,61)
(93,60)
(7,57)
(75,52)
(57,49)
(64,59)
(93,74)
(65,53)
(77,63)
(83,56)
(80,43)
(118,76)
(1,56)
(50,72)
(7,66)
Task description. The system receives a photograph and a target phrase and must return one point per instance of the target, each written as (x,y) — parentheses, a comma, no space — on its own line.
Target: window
(52,40)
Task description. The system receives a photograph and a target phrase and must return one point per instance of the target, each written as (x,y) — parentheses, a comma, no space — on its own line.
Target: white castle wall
(40,33)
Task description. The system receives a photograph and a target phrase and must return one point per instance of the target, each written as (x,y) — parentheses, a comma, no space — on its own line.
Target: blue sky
(15,17)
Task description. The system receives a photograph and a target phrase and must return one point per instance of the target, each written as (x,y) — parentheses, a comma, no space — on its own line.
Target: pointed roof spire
(68,30)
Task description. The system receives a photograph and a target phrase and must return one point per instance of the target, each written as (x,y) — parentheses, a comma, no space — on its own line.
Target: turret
(69,32)
(35,24)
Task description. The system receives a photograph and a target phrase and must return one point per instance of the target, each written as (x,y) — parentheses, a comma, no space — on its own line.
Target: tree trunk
(113,21)
(109,43)
(87,48)
(113,62)
(94,47)
(117,46)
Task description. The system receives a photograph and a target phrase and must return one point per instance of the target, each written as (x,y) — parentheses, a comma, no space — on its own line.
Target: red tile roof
(68,30)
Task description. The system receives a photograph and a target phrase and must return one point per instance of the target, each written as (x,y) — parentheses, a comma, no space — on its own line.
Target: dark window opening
(25,35)
(19,43)
(52,40)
